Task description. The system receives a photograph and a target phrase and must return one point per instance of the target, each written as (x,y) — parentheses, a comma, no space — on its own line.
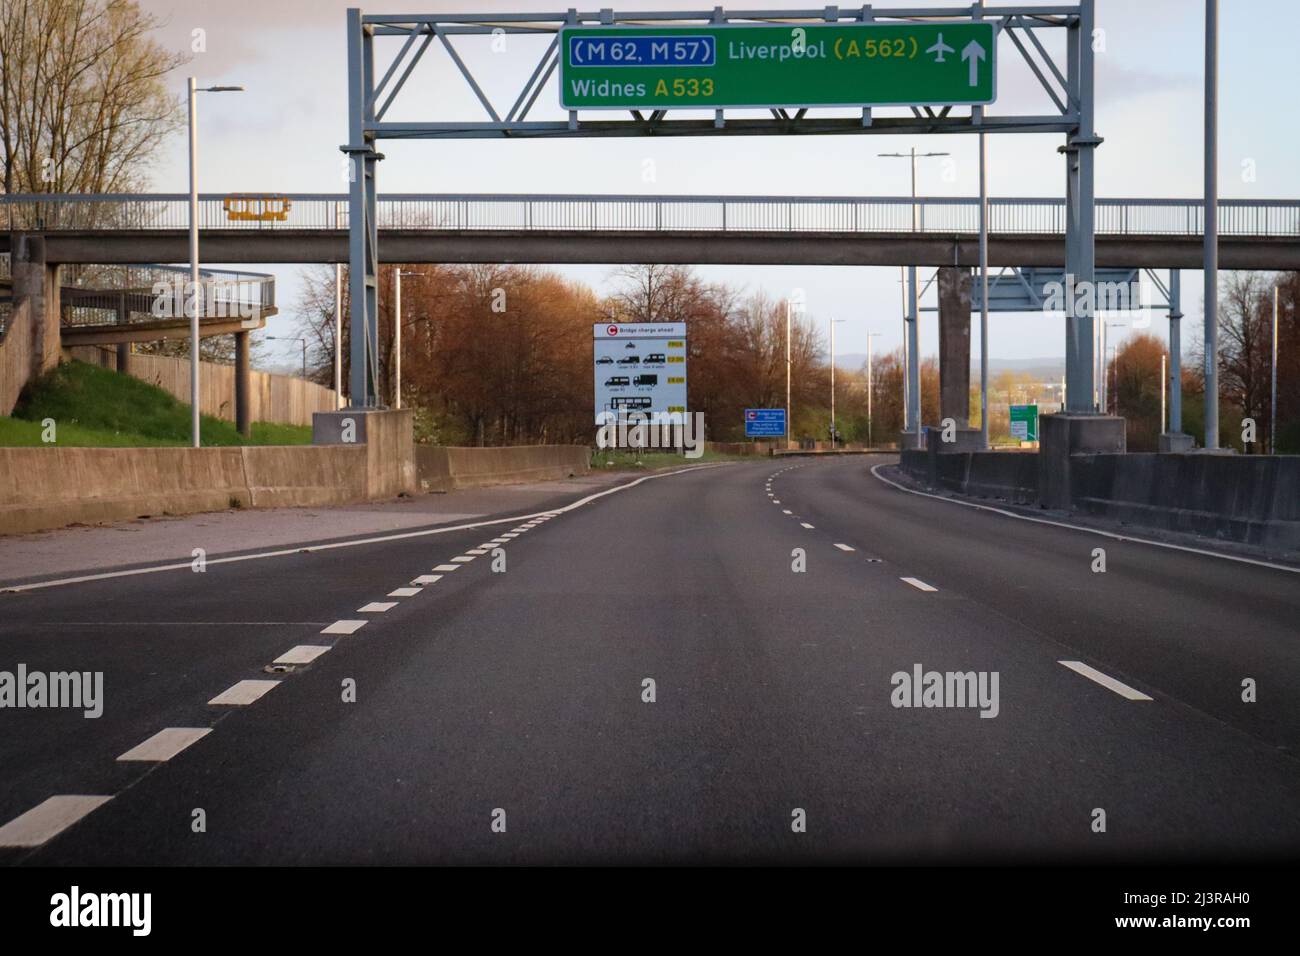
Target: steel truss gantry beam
(1068,90)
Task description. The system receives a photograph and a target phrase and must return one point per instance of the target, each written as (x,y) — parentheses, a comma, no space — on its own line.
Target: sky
(283,134)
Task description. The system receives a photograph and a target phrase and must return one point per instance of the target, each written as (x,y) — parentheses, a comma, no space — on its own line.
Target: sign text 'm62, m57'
(761,66)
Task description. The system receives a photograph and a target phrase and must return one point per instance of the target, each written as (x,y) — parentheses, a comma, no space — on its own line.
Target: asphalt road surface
(502,714)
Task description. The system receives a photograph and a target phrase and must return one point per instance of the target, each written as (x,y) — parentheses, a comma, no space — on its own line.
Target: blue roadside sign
(764,422)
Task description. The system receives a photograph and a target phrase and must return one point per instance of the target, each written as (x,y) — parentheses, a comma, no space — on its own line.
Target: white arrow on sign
(974,53)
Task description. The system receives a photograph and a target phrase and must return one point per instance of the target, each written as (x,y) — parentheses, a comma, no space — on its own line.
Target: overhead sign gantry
(812,71)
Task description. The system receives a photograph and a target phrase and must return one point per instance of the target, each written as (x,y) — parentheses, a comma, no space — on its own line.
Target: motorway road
(522,691)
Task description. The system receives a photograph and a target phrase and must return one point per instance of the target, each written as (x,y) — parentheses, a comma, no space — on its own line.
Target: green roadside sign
(1024,422)
(770,67)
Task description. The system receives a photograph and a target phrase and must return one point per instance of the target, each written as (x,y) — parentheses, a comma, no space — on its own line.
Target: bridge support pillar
(36,297)
(243,383)
(954,344)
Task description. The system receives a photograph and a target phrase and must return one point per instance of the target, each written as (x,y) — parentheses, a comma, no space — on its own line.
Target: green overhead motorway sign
(808,65)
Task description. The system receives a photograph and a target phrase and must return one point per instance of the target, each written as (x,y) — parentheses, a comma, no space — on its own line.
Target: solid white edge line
(330,546)
(1105,680)
(1074,527)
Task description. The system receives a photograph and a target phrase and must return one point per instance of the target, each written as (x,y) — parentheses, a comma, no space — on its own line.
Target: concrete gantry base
(911,441)
(1176,443)
(963,439)
(388,437)
(1061,436)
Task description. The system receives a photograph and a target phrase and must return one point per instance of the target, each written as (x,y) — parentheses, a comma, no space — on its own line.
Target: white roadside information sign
(640,368)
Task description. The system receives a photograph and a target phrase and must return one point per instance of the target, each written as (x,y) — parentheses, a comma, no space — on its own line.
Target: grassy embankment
(97,407)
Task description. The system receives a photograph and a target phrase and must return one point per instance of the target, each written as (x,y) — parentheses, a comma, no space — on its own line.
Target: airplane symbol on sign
(939,49)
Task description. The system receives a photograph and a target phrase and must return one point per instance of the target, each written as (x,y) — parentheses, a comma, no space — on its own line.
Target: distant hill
(1048,369)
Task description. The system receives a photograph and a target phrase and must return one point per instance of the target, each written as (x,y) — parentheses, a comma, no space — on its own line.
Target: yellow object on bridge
(257,208)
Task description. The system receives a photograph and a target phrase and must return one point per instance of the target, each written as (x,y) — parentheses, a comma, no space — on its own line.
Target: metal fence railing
(591,213)
(102,294)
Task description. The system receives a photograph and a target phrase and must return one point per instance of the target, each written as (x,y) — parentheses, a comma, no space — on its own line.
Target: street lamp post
(195,295)
(397,333)
(788,429)
(984,294)
(912,417)
(1105,349)
(338,323)
(293,338)
(834,430)
(870,417)
(1211,246)
(1272,415)
(1162,393)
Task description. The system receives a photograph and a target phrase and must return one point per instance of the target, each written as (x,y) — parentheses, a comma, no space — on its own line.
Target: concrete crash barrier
(1004,475)
(445,468)
(1251,499)
(42,488)
(51,487)
(1254,499)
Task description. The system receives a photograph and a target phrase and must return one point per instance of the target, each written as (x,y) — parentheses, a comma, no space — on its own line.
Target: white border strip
(283,552)
(1075,527)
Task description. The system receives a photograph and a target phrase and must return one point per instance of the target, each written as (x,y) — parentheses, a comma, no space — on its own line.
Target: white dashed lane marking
(918,584)
(1104,680)
(844,547)
(404,592)
(302,654)
(427,579)
(463,558)
(48,819)
(166,744)
(806,524)
(479,550)
(344,627)
(446,567)
(377,607)
(242,693)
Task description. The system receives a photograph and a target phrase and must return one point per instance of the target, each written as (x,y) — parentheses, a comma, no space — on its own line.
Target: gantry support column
(363,245)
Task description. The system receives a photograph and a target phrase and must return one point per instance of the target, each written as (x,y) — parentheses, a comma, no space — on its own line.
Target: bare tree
(83,103)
